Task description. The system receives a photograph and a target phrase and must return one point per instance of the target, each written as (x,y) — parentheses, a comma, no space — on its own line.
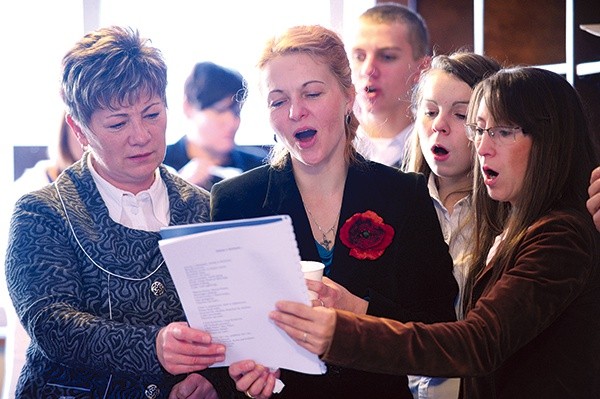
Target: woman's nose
(297,111)
(440,125)
(485,144)
(141,133)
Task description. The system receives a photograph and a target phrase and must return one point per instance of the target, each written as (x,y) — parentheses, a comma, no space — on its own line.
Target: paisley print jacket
(92,293)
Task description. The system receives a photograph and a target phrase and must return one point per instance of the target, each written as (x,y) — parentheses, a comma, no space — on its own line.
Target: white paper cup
(312,271)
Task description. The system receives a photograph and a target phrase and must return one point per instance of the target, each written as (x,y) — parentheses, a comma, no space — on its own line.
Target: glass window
(35,35)
(229,33)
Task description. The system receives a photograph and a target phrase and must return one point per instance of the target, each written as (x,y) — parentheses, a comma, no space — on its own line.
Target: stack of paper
(229,275)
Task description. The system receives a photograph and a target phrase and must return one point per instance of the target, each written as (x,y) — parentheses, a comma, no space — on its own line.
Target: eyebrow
(303,86)
(461,103)
(379,49)
(124,114)
(453,104)
(150,106)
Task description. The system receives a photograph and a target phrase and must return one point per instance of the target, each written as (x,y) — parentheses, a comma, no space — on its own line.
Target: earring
(348,118)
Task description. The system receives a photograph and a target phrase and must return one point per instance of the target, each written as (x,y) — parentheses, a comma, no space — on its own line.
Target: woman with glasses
(532,321)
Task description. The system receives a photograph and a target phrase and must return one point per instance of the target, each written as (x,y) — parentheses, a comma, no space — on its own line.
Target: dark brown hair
(549,110)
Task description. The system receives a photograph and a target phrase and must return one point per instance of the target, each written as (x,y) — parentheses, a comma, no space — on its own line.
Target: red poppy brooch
(366,235)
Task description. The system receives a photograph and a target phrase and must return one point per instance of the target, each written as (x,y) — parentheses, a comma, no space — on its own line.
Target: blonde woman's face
(306,108)
(440,125)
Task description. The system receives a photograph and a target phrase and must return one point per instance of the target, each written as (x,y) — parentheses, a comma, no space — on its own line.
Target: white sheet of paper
(229,279)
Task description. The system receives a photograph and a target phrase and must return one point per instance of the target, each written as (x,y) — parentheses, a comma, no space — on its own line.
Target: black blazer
(411,281)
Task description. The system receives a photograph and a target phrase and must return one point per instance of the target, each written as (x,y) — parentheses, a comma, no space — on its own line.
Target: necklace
(326,243)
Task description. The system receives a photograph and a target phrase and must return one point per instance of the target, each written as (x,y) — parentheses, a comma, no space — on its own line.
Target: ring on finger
(304,337)
(322,303)
(248,394)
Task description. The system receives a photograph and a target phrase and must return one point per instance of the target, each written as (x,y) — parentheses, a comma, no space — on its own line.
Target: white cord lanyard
(89,257)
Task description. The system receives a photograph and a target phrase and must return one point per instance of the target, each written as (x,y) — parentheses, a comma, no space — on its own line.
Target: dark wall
(524,32)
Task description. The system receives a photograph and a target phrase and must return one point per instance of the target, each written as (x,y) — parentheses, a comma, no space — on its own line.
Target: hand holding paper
(229,275)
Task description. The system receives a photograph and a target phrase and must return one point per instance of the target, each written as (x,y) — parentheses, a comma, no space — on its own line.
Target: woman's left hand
(312,328)
(334,295)
(194,386)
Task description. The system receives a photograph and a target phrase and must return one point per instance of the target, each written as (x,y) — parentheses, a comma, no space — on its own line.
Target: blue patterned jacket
(92,293)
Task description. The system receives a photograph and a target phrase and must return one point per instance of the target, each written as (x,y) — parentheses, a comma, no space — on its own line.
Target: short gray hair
(110,67)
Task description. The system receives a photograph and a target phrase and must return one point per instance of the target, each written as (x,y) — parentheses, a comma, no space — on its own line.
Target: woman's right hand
(311,327)
(182,349)
(333,295)
(255,380)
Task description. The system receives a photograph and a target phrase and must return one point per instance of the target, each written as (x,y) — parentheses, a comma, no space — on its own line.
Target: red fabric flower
(366,235)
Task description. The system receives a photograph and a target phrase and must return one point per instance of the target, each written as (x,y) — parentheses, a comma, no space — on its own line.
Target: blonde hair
(325,47)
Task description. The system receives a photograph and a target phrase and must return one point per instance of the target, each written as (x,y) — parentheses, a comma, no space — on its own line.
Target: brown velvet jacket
(533,333)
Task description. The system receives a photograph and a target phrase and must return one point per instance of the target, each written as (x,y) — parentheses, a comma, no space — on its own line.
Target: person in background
(593,203)
(387,52)
(62,153)
(83,266)
(441,151)
(532,326)
(214,96)
(373,226)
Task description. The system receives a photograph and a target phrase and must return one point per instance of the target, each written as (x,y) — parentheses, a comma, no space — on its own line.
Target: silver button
(157,288)
(152,391)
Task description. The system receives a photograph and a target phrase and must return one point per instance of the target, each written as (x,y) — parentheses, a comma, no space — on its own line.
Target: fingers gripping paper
(229,275)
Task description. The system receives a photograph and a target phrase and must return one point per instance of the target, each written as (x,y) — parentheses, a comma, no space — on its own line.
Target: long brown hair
(549,110)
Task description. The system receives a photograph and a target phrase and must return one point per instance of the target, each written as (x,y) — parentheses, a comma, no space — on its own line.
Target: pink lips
(489,175)
(440,153)
(140,157)
(370,92)
(305,136)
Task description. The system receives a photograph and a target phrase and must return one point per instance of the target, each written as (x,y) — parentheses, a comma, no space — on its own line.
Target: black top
(411,281)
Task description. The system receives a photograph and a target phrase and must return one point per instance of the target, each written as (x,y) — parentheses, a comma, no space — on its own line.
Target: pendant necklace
(326,243)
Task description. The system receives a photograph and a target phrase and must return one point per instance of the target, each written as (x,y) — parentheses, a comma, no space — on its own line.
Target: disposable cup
(312,271)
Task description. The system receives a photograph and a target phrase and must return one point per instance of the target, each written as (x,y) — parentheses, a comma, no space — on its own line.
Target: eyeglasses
(502,135)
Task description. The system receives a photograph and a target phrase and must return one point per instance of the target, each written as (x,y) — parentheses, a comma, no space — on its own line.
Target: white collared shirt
(457,233)
(148,210)
(388,151)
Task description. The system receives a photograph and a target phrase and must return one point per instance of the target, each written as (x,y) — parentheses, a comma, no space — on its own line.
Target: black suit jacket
(411,281)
